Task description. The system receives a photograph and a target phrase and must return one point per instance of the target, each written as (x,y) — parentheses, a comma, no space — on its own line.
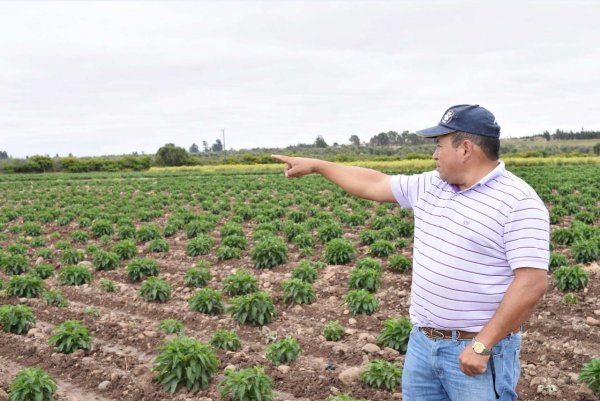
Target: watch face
(478,348)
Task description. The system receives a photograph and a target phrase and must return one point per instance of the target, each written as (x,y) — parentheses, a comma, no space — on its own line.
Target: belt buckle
(434,333)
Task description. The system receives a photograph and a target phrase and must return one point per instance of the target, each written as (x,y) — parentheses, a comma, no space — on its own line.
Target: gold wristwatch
(479,348)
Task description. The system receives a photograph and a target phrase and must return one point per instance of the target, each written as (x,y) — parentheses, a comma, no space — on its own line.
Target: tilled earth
(558,339)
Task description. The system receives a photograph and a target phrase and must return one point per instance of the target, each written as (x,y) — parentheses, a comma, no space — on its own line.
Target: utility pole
(223,131)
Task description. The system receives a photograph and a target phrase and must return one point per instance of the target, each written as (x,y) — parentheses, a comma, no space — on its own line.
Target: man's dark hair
(490,146)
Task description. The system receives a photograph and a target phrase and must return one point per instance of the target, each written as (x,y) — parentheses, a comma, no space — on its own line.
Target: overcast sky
(114,77)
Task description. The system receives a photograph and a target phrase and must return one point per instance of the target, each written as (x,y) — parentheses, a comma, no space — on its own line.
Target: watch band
(479,348)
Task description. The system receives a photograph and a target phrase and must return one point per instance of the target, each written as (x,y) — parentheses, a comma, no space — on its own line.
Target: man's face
(447,160)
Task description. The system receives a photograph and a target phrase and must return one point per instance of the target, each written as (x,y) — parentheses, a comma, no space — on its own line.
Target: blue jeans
(431,371)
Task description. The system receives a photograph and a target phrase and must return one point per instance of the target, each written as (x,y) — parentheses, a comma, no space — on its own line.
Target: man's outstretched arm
(362,182)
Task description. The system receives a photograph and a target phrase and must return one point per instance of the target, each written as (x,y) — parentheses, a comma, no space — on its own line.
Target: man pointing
(480,257)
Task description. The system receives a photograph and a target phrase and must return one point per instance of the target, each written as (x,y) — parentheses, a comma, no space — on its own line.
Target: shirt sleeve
(527,235)
(407,189)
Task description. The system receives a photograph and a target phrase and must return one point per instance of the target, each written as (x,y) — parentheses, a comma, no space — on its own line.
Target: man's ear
(467,148)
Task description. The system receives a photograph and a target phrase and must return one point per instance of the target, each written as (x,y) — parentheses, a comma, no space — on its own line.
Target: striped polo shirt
(468,243)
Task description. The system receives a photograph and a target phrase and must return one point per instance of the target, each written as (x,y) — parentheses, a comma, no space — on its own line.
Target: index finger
(281,158)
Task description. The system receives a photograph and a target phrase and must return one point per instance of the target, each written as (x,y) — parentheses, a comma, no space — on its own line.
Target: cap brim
(435,131)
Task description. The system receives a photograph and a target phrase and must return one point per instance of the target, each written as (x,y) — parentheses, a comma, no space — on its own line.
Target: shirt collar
(499,170)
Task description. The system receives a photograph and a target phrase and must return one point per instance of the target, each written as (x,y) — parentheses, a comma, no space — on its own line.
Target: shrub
(240,283)
(557,260)
(70,336)
(231,229)
(102,227)
(62,245)
(367,237)
(32,229)
(148,232)
(399,263)
(585,251)
(126,249)
(283,351)
(27,286)
(55,298)
(79,236)
(369,263)
(339,251)
(292,230)
(171,326)
(16,264)
(381,247)
(395,334)
(16,319)
(126,231)
(225,252)
(155,289)
(570,278)
(107,285)
(106,261)
(298,291)
(140,269)
(158,245)
(91,311)
(333,330)
(304,240)
(361,301)
(207,300)
(200,245)
(563,236)
(197,277)
(18,248)
(365,279)
(401,243)
(44,253)
(185,362)
(235,241)
(329,231)
(32,384)
(256,308)
(590,375)
(381,373)
(196,228)
(226,340)
(269,252)
(37,242)
(387,233)
(250,384)
(43,271)
(74,275)
(71,256)
(570,299)
(305,272)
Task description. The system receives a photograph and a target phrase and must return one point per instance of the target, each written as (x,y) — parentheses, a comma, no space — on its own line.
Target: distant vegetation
(385,146)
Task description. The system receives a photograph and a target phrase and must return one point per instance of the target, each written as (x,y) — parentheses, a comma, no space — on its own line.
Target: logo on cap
(448,116)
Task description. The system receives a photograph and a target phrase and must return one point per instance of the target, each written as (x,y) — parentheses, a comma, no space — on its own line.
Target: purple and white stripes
(467,244)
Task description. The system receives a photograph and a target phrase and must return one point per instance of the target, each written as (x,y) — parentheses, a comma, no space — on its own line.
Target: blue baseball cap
(471,118)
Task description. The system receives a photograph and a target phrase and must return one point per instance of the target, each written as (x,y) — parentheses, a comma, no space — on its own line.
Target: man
(480,257)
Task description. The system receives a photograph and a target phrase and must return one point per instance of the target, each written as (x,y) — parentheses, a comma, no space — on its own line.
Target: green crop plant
(399,263)
(91,311)
(225,252)
(570,278)
(269,252)
(79,236)
(155,289)
(562,236)
(44,253)
(126,231)
(369,263)
(298,291)
(333,330)
(296,216)
(387,233)
(227,340)
(304,241)
(26,286)
(91,249)
(291,230)
(339,251)
(106,261)
(16,319)
(235,241)
(305,272)
(74,275)
(283,351)
(203,264)
(32,384)
(381,373)
(148,232)
(70,336)
(32,229)
(230,229)
(101,227)
(185,362)
(365,279)
(570,299)
(18,248)
(142,268)
(37,242)
(171,326)
(207,301)
(557,260)
(241,282)
(15,264)
(395,334)
(328,231)
(126,249)
(381,247)
(197,277)
(55,298)
(249,384)
(342,397)
(43,271)
(256,308)
(199,245)
(196,228)
(585,251)
(158,245)
(71,256)
(108,285)
(62,245)
(361,301)
(590,375)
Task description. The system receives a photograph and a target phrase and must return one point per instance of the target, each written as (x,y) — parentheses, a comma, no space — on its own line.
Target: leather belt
(438,334)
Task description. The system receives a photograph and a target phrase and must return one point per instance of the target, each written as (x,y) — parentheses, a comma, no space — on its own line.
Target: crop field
(197,285)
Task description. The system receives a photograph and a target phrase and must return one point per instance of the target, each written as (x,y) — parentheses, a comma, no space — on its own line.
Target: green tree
(546,136)
(320,142)
(355,140)
(171,155)
(597,149)
(194,148)
(217,146)
(3,154)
